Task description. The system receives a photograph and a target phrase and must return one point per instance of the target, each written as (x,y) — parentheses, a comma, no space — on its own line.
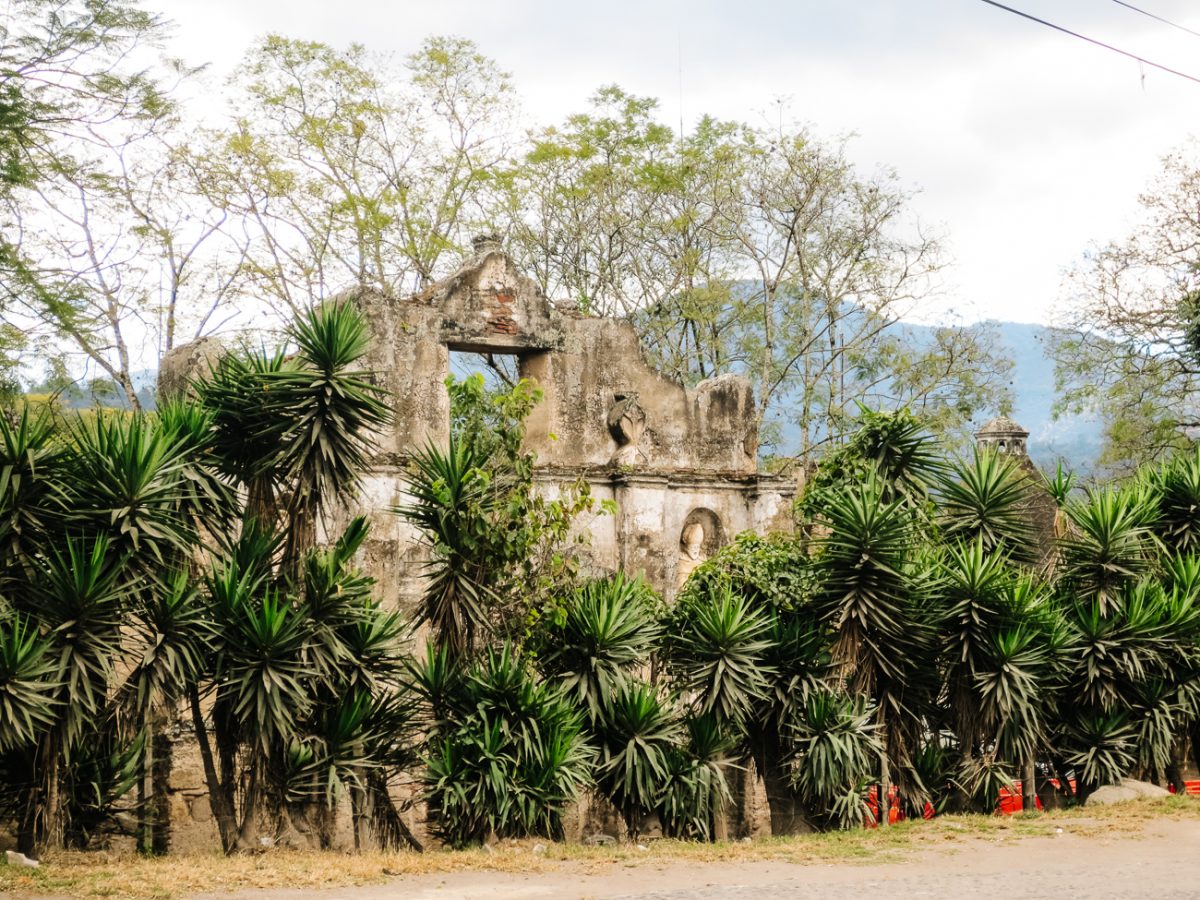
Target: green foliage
(866,590)
(608,633)
(295,431)
(1175,492)
(771,571)
(510,757)
(894,447)
(713,648)
(27,689)
(1110,543)
(640,732)
(985,498)
(696,791)
(837,753)
(500,549)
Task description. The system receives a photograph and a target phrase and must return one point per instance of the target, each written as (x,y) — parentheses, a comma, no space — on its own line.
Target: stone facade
(665,455)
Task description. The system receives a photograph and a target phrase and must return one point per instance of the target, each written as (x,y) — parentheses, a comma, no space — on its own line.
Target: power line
(1153,16)
(1084,37)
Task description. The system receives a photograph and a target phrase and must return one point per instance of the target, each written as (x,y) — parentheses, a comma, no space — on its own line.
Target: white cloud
(1027,144)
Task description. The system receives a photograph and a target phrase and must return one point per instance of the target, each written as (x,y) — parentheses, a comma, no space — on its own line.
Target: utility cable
(1145,12)
(1084,37)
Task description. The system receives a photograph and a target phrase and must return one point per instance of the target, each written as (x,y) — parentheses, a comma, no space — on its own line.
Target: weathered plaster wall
(659,451)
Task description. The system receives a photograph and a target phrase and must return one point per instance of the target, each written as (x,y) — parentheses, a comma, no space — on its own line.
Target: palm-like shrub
(714,648)
(836,753)
(696,792)
(893,447)
(1109,545)
(128,483)
(608,630)
(1127,698)
(32,489)
(296,431)
(510,756)
(985,499)
(1002,641)
(27,687)
(640,731)
(1175,493)
(453,502)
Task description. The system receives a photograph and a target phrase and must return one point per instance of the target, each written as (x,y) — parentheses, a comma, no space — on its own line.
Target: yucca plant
(328,413)
(32,489)
(878,598)
(1131,674)
(127,482)
(28,690)
(696,792)
(836,755)
(865,589)
(174,628)
(774,578)
(980,778)
(509,757)
(1110,544)
(453,499)
(78,595)
(985,499)
(608,631)
(1001,644)
(895,448)
(714,649)
(1175,491)
(244,425)
(1100,747)
(639,732)
(297,431)
(206,498)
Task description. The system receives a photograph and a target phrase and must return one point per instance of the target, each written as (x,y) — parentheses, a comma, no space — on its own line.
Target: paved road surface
(1163,863)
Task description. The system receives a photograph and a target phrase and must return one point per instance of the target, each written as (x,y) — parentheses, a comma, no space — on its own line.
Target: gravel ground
(1162,862)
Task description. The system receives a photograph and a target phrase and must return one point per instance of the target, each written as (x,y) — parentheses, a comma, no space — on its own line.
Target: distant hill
(1076,440)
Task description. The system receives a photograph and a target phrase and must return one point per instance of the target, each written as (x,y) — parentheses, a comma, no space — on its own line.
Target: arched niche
(714,531)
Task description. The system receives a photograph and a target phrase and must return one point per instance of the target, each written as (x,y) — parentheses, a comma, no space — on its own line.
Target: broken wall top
(603,404)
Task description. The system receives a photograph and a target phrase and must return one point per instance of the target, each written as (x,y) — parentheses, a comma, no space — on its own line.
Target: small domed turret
(1005,435)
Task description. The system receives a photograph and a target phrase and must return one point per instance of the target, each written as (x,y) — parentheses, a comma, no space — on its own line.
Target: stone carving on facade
(691,552)
(627,423)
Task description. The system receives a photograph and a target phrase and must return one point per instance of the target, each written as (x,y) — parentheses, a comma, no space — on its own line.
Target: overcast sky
(1026,144)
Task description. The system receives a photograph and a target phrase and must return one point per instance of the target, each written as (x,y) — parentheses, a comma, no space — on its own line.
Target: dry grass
(113,875)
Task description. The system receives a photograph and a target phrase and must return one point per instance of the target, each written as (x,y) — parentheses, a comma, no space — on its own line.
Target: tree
(92,197)
(1128,344)
(761,251)
(341,170)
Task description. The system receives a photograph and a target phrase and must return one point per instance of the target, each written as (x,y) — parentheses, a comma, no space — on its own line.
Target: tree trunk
(48,814)
(220,804)
(885,783)
(144,792)
(160,780)
(1175,766)
(389,829)
(1029,786)
(787,814)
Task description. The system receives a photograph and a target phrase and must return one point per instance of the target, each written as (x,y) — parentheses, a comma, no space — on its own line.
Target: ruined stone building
(680,465)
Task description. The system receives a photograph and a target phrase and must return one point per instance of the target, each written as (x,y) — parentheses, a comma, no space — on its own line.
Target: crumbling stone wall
(660,451)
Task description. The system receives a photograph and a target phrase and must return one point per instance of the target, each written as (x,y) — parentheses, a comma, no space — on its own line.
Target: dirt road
(1159,861)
